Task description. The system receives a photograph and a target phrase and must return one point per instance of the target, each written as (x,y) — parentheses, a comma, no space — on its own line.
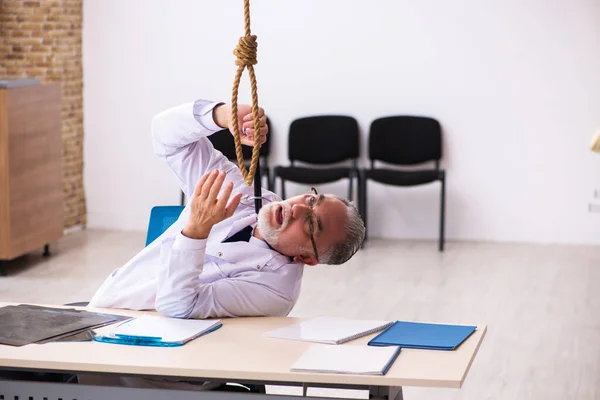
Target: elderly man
(221,259)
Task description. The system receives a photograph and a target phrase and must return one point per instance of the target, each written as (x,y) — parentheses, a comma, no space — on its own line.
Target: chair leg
(362,201)
(268,175)
(282,188)
(351,187)
(442,212)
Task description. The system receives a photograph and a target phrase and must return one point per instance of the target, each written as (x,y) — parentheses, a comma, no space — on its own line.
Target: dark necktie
(243,235)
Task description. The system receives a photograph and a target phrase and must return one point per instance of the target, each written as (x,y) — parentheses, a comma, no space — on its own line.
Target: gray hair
(341,252)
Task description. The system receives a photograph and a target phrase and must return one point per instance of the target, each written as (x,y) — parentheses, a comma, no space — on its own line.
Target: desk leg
(386,393)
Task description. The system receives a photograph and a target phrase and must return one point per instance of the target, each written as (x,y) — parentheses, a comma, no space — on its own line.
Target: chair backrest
(324,139)
(223,141)
(405,140)
(161,218)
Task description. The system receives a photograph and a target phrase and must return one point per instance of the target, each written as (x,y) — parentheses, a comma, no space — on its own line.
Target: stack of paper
(419,335)
(329,330)
(349,359)
(149,330)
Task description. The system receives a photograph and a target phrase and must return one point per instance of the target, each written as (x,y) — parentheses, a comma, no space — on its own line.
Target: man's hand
(245,121)
(206,209)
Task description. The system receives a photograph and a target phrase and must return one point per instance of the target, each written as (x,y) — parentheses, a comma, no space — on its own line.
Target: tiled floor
(541,303)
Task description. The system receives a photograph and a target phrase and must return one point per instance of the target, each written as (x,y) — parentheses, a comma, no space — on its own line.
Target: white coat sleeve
(179,137)
(180,294)
(181,263)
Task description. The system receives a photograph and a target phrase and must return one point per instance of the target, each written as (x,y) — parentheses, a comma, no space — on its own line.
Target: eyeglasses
(311,224)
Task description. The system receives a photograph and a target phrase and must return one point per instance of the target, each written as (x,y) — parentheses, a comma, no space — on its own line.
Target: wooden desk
(238,352)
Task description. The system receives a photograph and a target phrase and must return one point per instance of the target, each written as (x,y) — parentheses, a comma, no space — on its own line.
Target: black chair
(321,141)
(404,141)
(224,142)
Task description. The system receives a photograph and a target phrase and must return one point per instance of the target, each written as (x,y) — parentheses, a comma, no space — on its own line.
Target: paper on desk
(167,330)
(346,359)
(330,330)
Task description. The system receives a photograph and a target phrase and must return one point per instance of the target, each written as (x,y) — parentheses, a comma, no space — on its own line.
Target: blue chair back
(161,218)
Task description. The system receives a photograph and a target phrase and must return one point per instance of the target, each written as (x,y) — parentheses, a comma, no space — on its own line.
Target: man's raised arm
(179,136)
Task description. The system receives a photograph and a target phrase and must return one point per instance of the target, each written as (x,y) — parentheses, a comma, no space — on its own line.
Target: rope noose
(245,53)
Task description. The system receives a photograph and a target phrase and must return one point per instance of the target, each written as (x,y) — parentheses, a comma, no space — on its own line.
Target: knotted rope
(245,53)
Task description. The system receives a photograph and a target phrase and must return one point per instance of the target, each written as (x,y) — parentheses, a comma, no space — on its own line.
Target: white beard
(265,216)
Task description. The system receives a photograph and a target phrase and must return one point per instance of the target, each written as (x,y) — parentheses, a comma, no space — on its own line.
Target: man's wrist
(221,115)
(192,232)
(184,243)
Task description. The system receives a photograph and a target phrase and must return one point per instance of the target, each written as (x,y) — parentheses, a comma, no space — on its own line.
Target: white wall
(515,84)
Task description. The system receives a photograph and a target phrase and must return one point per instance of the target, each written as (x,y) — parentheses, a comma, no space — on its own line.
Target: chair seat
(312,175)
(403,178)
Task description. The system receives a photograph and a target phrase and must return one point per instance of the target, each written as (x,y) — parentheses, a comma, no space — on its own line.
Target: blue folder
(419,335)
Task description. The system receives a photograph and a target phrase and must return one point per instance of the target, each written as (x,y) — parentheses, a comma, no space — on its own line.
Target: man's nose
(299,211)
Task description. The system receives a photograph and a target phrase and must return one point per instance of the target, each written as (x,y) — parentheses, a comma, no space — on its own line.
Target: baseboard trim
(73,229)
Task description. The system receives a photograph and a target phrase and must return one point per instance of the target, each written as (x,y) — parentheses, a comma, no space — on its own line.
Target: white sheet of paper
(329,330)
(347,359)
(173,330)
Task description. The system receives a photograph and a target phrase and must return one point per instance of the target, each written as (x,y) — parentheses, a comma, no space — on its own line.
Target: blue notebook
(419,335)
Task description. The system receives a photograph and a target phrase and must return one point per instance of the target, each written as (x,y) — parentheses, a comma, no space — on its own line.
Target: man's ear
(308,260)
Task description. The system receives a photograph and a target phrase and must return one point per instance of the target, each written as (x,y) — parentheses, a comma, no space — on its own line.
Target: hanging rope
(245,53)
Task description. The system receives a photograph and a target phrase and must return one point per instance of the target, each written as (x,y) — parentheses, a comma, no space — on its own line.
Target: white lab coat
(186,278)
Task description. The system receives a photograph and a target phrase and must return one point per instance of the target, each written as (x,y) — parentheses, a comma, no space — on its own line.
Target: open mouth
(279,215)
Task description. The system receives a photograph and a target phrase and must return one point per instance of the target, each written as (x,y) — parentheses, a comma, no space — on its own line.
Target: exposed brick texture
(42,39)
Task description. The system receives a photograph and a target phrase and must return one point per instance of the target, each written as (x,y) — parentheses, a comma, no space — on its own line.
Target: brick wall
(42,39)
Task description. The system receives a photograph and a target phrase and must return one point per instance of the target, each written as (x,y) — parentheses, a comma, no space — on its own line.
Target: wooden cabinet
(31,188)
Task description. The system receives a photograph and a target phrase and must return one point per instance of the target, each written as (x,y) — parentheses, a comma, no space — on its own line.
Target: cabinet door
(35,185)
